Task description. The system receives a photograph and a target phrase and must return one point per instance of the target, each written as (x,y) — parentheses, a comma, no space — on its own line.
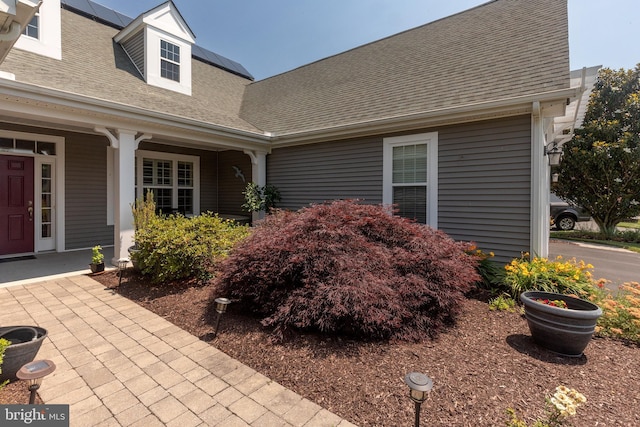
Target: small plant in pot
(97,259)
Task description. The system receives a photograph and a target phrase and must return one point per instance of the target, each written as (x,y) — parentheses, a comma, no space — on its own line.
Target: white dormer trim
(49,42)
(163,22)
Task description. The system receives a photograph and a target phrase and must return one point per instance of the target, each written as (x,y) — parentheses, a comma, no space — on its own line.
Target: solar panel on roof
(118,20)
(79,5)
(105,14)
(124,19)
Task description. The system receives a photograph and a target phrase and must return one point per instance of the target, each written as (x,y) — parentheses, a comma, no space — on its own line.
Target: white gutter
(127,113)
(449,115)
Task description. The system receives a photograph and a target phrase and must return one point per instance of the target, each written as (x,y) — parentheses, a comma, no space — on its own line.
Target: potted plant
(560,323)
(97,259)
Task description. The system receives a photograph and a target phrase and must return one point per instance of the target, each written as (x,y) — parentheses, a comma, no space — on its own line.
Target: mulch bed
(484,365)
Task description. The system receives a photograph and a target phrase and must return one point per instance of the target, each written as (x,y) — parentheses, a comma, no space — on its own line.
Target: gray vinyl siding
(322,172)
(484,179)
(86,192)
(135,49)
(230,197)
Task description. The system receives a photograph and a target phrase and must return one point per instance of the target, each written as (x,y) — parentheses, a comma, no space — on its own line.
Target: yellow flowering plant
(560,406)
(564,277)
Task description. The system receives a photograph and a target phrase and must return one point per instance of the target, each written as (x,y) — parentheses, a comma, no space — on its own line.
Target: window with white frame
(172,178)
(33,27)
(410,176)
(170,61)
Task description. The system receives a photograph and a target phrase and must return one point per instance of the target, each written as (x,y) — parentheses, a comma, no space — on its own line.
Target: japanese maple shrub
(351,269)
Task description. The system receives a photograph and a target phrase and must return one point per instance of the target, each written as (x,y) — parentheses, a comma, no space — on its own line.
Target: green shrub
(257,198)
(491,273)
(177,247)
(3,346)
(351,269)
(563,277)
(503,303)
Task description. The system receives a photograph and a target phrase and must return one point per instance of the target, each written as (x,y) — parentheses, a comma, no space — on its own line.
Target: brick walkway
(119,364)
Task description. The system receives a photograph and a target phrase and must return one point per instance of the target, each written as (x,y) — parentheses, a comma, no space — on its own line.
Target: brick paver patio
(119,364)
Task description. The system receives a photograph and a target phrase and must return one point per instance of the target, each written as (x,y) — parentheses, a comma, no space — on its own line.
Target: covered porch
(102,157)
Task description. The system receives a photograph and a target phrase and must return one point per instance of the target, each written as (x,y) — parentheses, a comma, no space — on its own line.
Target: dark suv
(565,215)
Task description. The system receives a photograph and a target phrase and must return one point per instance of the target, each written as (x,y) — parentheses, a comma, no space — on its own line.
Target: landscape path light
(221,308)
(33,373)
(419,387)
(122,266)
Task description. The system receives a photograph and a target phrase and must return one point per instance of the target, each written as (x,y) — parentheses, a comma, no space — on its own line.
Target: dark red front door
(16,205)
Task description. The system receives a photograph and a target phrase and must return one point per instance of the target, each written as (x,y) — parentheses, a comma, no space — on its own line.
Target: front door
(16,205)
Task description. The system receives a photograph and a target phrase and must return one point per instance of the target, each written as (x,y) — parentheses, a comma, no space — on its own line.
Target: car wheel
(565,223)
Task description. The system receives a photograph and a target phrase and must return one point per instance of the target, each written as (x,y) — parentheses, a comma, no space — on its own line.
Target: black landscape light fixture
(122,266)
(221,308)
(419,387)
(554,153)
(33,373)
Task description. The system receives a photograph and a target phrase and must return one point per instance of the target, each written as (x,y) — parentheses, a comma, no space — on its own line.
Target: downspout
(540,186)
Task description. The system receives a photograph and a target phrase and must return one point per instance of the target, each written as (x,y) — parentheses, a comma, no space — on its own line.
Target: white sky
(270,37)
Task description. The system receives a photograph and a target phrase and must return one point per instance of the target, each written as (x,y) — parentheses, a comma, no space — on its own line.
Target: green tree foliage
(600,169)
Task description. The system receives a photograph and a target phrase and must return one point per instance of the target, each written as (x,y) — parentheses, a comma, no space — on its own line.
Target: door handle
(30,210)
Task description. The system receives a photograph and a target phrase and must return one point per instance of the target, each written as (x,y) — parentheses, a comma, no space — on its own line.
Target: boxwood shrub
(176,247)
(349,268)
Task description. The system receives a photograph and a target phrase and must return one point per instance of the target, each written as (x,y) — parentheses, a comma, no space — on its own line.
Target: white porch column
(540,186)
(258,173)
(124,145)
(124,193)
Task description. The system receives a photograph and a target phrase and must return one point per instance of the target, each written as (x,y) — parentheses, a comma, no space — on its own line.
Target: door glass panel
(46,208)
(6,144)
(47,148)
(25,146)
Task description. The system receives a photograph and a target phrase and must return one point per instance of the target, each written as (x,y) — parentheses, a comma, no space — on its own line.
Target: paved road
(616,265)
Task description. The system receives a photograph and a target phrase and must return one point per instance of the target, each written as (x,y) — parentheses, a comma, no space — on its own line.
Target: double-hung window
(169,61)
(410,176)
(173,180)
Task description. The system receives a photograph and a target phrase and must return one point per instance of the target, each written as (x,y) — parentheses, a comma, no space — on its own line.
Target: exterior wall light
(554,153)
(419,387)
(221,308)
(33,373)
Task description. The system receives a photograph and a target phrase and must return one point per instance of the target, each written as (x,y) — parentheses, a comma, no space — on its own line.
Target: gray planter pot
(565,331)
(25,343)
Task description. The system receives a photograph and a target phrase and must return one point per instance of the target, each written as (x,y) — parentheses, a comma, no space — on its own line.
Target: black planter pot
(565,331)
(97,268)
(25,343)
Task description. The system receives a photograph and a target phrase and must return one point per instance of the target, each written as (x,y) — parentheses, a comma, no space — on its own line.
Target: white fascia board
(43,103)
(441,117)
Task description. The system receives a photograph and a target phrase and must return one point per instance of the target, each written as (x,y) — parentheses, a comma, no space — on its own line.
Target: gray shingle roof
(499,50)
(93,65)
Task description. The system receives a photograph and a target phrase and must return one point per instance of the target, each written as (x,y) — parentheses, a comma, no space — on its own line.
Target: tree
(600,169)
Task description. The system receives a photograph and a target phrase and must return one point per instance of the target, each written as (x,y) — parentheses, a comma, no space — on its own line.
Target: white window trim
(431,139)
(49,42)
(175,158)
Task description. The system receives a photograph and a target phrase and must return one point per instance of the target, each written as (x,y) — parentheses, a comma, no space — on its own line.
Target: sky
(271,37)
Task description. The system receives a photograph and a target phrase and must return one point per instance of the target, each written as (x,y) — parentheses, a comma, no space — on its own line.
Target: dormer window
(33,27)
(170,62)
(158,43)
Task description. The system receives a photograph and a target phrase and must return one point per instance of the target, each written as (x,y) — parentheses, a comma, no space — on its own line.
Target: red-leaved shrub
(349,268)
